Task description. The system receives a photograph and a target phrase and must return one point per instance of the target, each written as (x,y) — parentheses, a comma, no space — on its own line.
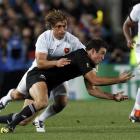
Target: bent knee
(60,106)
(41,104)
(16,95)
(63,105)
(61,100)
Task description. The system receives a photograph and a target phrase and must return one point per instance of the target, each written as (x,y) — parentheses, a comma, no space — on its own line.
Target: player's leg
(39,93)
(30,119)
(135,113)
(60,101)
(58,106)
(6,119)
(15,94)
(4,100)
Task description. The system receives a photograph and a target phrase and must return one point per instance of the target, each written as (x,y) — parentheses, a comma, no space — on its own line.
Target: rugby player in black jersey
(41,81)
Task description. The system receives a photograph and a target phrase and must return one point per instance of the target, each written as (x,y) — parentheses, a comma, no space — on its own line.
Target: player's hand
(125,76)
(62,62)
(120,97)
(130,44)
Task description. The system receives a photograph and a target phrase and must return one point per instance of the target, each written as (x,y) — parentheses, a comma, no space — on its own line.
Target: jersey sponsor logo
(87,64)
(42,76)
(66,50)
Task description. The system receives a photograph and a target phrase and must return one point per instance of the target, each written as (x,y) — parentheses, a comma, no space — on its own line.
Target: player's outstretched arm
(97,92)
(95,80)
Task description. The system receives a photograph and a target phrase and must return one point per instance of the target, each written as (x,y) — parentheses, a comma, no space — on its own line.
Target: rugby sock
(132,112)
(48,112)
(138,99)
(6,98)
(6,118)
(25,113)
(137,103)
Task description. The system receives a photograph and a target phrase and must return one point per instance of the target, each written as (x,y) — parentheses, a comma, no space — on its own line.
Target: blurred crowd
(22,21)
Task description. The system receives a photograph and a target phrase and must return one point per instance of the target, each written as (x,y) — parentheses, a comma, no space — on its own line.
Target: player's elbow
(92,79)
(40,65)
(95,82)
(125,26)
(92,91)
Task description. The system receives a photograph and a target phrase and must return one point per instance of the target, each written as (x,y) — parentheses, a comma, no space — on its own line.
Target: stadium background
(21,21)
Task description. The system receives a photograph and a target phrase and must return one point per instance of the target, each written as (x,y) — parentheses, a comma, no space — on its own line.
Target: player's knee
(41,104)
(63,104)
(44,104)
(60,106)
(60,102)
(16,95)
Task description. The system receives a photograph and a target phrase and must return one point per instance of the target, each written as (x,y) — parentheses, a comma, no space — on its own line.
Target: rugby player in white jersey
(132,20)
(51,43)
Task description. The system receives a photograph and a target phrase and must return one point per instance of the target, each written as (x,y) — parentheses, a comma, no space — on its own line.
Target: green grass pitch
(81,120)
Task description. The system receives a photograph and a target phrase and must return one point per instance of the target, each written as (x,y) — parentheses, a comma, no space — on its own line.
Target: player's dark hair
(55,16)
(96,44)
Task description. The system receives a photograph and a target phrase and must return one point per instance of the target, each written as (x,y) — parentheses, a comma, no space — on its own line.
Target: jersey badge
(66,50)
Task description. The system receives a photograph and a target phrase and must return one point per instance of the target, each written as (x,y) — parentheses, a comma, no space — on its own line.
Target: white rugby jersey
(135,16)
(47,43)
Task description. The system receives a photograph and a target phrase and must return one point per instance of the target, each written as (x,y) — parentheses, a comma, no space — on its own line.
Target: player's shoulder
(136,7)
(71,37)
(45,34)
(80,52)
(77,53)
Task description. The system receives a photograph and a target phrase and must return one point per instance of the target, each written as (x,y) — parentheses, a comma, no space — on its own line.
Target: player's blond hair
(55,16)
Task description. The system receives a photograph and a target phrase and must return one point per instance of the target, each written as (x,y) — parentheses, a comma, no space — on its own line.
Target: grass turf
(81,120)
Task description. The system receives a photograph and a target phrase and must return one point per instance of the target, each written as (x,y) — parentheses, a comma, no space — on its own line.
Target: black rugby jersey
(80,65)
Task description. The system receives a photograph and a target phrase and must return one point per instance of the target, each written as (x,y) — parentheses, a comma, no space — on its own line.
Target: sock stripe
(32,108)
(13,116)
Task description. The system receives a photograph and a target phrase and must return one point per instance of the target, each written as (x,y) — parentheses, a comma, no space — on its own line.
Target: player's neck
(58,38)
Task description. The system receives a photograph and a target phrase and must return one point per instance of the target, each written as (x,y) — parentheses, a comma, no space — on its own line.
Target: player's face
(98,57)
(59,29)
